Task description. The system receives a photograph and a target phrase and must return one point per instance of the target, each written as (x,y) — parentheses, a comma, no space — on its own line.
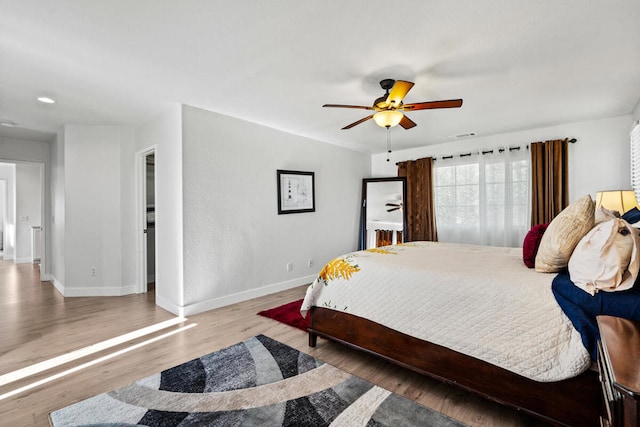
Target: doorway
(146,223)
(23,206)
(150,162)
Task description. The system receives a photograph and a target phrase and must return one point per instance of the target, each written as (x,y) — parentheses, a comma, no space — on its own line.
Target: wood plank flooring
(38,324)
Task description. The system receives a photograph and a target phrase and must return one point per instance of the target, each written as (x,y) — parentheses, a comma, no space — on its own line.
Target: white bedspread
(480,301)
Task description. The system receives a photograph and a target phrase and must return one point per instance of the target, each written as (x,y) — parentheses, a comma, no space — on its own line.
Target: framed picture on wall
(296,192)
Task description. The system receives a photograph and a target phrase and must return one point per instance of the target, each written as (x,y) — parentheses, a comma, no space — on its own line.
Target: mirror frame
(363,213)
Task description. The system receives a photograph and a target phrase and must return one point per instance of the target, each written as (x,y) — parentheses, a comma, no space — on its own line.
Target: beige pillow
(604,214)
(563,234)
(606,258)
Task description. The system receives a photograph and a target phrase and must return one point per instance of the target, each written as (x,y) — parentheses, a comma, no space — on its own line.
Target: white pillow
(606,258)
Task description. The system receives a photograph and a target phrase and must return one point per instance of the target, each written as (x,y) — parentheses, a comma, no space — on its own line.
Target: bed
(505,339)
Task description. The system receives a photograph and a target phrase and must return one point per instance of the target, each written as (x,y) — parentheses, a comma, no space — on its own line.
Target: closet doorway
(150,164)
(146,223)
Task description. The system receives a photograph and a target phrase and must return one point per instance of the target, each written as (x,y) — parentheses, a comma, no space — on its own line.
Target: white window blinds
(635,160)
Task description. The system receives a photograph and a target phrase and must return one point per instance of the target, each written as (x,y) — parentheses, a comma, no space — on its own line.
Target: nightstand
(619,365)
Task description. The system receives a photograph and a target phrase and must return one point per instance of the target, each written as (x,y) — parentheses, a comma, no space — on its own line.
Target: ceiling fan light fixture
(387,118)
(390,106)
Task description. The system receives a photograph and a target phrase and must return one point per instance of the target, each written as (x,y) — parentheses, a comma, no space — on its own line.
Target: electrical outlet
(289,266)
(93,271)
(310,262)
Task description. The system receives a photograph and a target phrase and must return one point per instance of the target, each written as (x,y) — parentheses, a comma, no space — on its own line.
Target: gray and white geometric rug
(259,382)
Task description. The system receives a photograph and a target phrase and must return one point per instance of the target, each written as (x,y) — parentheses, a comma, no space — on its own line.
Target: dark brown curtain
(421,214)
(384,238)
(549,179)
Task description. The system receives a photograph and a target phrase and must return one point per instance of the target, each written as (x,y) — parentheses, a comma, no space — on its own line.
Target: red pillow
(531,244)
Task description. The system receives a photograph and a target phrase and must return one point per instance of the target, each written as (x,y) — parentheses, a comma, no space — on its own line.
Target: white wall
(235,244)
(599,160)
(24,150)
(58,218)
(126,148)
(165,133)
(8,174)
(28,207)
(98,211)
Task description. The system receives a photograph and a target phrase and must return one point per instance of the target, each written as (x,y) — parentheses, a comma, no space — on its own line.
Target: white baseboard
(189,309)
(101,291)
(168,305)
(214,303)
(23,260)
(56,284)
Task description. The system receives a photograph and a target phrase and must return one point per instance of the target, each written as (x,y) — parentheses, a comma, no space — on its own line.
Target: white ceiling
(518,64)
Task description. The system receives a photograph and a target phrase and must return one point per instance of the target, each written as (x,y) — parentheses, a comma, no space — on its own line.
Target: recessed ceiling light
(46,100)
(8,123)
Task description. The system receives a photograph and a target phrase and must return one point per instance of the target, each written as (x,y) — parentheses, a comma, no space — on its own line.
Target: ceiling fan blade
(450,103)
(407,123)
(398,92)
(358,122)
(360,107)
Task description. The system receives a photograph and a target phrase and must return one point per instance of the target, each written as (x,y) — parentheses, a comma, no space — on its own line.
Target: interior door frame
(45,219)
(141,216)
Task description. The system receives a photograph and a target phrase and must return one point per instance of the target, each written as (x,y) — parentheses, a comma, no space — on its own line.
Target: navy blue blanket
(582,308)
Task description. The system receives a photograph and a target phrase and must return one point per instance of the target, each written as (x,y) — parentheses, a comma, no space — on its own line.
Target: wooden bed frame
(572,402)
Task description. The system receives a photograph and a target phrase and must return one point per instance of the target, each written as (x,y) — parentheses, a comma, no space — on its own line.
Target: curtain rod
(483,152)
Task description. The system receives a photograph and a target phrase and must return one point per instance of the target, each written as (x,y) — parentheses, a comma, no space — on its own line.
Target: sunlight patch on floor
(94,362)
(86,351)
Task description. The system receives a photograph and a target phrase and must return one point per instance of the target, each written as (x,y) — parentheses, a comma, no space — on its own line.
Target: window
(483,199)
(635,159)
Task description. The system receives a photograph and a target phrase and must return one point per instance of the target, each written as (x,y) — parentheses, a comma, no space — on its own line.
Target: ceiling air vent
(465,135)
(8,123)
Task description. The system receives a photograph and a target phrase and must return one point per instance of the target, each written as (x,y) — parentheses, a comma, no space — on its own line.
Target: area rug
(259,382)
(289,314)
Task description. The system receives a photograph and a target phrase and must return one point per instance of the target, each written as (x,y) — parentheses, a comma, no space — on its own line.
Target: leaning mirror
(383,212)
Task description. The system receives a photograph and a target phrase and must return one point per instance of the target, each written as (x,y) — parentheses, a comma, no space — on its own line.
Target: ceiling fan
(393,206)
(389,107)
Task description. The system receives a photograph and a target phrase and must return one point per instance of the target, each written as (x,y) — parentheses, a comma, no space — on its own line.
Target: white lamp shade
(387,118)
(617,200)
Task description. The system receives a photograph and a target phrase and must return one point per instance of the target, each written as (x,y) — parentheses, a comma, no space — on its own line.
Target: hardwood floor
(37,325)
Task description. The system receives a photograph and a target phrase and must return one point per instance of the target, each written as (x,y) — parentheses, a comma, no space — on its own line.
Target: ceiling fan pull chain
(388,142)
